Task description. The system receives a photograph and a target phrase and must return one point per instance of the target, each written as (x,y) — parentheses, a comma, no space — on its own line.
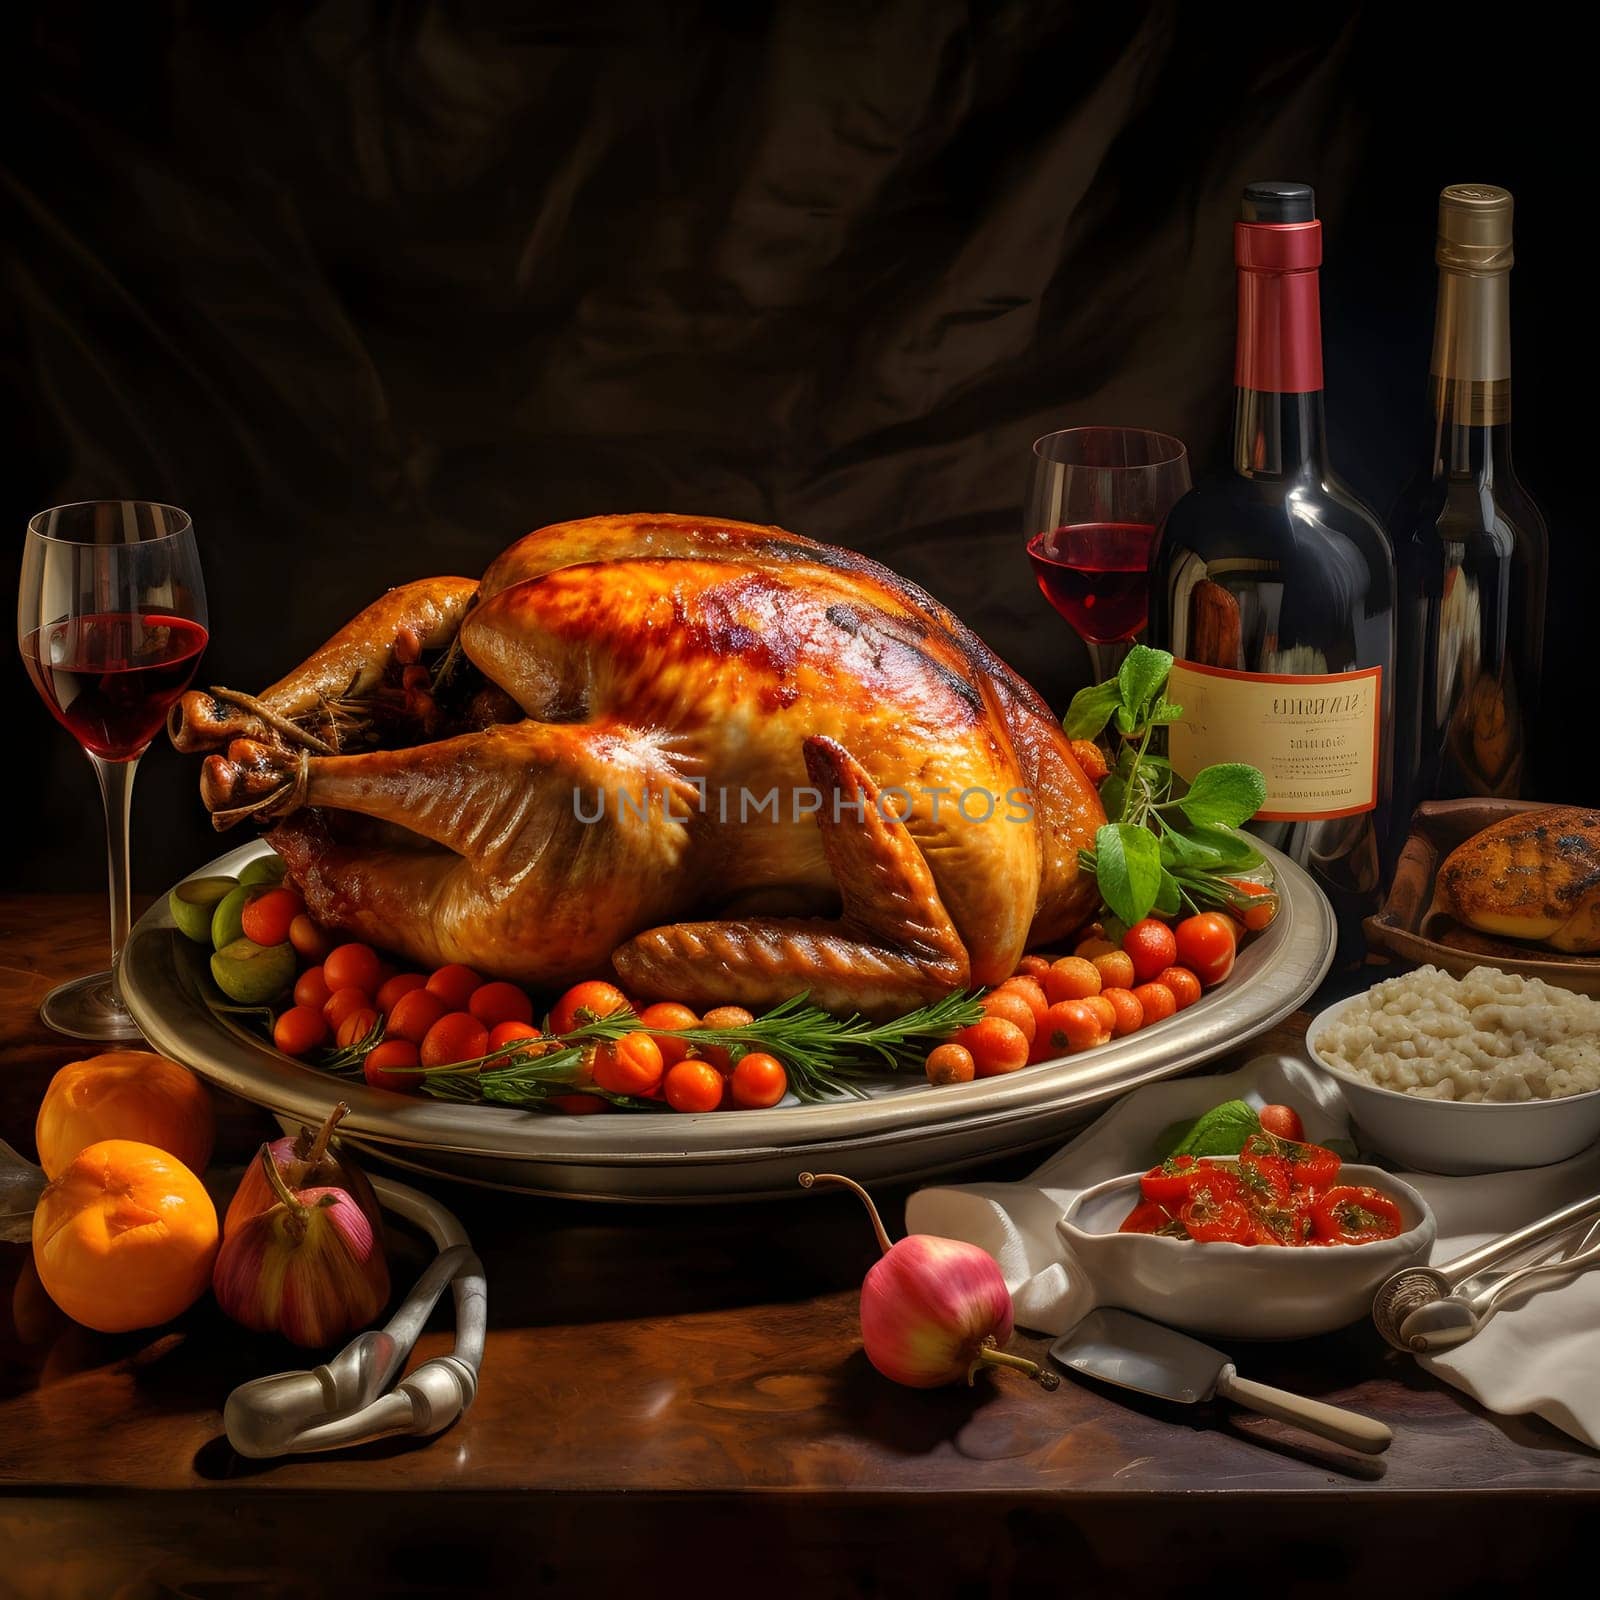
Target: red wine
(1097,575)
(1274,587)
(1471,546)
(110,677)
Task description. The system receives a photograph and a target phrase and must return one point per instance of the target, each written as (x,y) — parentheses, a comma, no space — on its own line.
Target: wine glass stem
(116,790)
(1106,659)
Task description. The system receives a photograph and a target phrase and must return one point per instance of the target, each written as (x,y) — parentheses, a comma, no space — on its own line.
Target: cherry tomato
(1206,946)
(758,1081)
(414,1014)
(380,1069)
(355,1027)
(1104,1010)
(267,916)
(353,966)
(504,1033)
(1355,1215)
(311,988)
(997,1046)
(343,1003)
(1011,1007)
(720,1055)
(1128,1009)
(585,1002)
(693,1086)
(500,1002)
(664,1019)
(1116,969)
(1093,948)
(1032,967)
(1151,946)
(310,942)
(299,1030)
(950,1063)
(1213,1221)
(456,1036)
(1070,1026)
(1169,1183)
(1146,1217)
(392,989)
(1158,1000)
(1182,982)
(456,985)
(1282,1122)
(1071,978)
(629,1065)
(1032,991)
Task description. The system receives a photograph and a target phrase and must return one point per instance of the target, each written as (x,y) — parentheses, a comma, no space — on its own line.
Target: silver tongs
(1425,1309)
(348,1401)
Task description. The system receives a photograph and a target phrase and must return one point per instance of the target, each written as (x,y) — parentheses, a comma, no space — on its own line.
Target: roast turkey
(726,761)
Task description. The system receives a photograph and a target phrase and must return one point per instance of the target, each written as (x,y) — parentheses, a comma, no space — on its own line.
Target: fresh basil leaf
(1164,711)
(1169,901)
(1229,793)
(1127,720)
(1113,929)
(1221,1131)
(1113,796)
(1141,675)
(1129,869)
(1179,849)
(1170,1137)
(1233,851)
(1091,710)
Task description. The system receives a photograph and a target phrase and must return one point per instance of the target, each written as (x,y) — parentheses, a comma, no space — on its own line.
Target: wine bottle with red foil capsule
(1274,587)
(1471,545)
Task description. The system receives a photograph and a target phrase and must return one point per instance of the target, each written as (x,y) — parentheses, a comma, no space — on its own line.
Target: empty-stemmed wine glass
(1095,503)
(111,621)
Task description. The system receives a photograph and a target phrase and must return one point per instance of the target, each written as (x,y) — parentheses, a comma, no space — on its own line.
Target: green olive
(193,904)
(253,973)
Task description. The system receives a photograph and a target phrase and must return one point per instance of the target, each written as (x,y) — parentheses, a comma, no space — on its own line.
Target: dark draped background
(372,290)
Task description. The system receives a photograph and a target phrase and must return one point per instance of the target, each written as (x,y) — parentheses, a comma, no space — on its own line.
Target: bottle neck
(1278,435)
(1471,376)
(1277,370)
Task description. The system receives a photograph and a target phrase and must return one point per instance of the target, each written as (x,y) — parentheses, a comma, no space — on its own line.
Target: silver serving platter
(905,1130)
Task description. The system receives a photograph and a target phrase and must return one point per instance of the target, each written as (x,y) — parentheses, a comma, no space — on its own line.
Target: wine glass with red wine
(1095,501)
(111,620)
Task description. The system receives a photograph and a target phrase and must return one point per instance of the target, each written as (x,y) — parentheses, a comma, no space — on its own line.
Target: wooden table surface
(680,1394)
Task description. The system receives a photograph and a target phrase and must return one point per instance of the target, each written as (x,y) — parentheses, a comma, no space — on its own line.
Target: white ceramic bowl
(1456,1136)
(1245,1291)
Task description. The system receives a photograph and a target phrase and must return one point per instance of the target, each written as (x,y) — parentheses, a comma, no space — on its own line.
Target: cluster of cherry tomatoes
(349,994)
(1098,993)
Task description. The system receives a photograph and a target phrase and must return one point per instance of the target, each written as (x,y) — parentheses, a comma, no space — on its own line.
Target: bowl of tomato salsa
(1281,1242)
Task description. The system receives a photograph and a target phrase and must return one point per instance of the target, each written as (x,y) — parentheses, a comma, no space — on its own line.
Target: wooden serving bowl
(1437,827)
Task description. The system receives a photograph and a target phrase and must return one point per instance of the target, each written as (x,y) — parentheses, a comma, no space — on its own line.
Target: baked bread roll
(1534,876)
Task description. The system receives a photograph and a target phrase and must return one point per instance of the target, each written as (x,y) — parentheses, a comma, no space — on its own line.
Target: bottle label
(1315,738)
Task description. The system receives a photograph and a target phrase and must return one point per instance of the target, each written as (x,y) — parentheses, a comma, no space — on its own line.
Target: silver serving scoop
(1135,1353)
(1442,1324)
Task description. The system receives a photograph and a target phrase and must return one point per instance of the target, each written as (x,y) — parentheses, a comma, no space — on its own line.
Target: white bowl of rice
(1474,1074)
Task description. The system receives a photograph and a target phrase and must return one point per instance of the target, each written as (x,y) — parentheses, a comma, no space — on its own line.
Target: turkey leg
(300,709)
(893,947)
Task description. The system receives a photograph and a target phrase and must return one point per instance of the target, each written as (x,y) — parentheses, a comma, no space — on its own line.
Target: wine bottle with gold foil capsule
(1274,587)
(1471,545)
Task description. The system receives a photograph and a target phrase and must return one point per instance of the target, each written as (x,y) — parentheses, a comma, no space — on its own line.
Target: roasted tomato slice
(1351,1215)
(1219,1179)
(1169,1183)
(1267,1179)
(1211,1220)
(1287,1224)
(1147,1217)
(1310,1165)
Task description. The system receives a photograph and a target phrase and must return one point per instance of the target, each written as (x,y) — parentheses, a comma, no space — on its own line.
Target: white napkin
(1542,1355)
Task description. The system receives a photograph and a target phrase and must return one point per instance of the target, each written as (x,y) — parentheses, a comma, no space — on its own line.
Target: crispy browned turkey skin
(573,764)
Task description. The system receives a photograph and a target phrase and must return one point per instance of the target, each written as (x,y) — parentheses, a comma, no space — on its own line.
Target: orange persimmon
(124,1094)
(124,1237)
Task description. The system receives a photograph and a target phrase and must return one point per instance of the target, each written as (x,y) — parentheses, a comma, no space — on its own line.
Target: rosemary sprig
(825,1056)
